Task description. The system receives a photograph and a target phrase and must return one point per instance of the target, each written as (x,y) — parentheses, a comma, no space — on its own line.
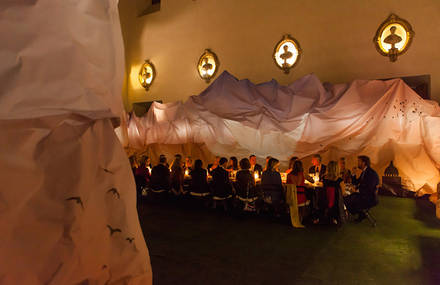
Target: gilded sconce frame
(277,57)
(399,38)
(208,65)
(146,72)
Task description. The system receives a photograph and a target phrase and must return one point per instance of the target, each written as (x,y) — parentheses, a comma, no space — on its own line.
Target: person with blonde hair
(177,175)
(332,187)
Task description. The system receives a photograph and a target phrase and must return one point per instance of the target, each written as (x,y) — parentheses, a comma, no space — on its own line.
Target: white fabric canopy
(67,196)
(385,120)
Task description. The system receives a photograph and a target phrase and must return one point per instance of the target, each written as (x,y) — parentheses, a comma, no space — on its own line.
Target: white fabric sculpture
(67,196)
(386,120)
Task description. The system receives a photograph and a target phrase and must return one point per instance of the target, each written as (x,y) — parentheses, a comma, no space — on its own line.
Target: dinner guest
(232,164)
(367,185)
(291,162)
(142,173)
(245,186)
(177,175)
(213,165)
(332,186)
(160,176)
(344,173)
(188,164)
(199,178)
(272,185)
(221,186)
(317,167)
(267,162)
(297,177)
(255,167)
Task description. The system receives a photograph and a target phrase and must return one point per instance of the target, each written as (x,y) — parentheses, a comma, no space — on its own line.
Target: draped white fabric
(386,120)
(67,196)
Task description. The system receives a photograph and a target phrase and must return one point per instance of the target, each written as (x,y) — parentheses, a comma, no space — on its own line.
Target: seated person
(221,185)
(332,186)
(344,173)
(177,175)
(160,176)
(255,167)
(245,184)
(367,185)
(232,164)
(267,162)
(297,177)
(317,167)
(213,165)
(199,180)
(142,173)
(291,162)
(272,185)
(247,194)
(188,164)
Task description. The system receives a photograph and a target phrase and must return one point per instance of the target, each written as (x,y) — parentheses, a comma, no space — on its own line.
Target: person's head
(342,163)
(363,161)
(332,170)
(223,161)
(162,159)
(198,164)
(245,164)
(316,159)
(253,159)
(292,161)
(393,29)
(233,162)
(297,167)
(272,164)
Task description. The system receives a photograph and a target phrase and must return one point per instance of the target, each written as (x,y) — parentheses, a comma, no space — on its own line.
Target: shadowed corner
(430,253)
(425,212)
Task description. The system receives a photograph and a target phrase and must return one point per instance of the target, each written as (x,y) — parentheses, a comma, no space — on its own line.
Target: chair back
(330,193)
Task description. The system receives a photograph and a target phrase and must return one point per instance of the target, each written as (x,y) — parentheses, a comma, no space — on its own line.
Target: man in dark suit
(160,176)
(317,166)
(221,186)
(367,185)
(254,165)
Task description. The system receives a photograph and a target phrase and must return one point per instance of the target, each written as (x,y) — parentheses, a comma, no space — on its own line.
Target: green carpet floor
(189,245)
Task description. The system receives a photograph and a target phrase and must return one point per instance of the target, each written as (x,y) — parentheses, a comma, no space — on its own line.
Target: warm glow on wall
(207,65)
(147,74)
(393,37)
(287,53)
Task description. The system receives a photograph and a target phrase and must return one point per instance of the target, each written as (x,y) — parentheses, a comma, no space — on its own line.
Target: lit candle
(186,172)
(256,176)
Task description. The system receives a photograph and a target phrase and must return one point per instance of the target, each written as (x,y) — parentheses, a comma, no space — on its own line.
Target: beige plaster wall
(335,35)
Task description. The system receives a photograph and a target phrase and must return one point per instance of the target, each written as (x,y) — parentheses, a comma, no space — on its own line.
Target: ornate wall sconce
(393,37)
(147,74)
(287,53)
(208,65)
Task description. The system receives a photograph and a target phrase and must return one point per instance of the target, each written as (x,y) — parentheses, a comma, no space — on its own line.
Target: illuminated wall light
(208,65)
(147,74)
(393,37)
(287,53)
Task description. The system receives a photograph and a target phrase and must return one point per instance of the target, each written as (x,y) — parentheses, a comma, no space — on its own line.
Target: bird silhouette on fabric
(130,240)
(77,200)
(115,192)
(106,170)
(112,230)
